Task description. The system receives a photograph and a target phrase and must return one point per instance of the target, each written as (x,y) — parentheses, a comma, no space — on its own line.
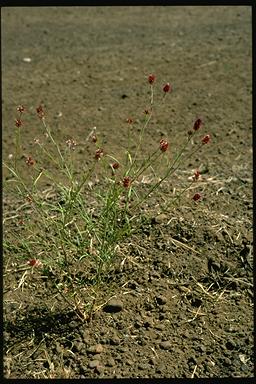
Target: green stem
(170,170)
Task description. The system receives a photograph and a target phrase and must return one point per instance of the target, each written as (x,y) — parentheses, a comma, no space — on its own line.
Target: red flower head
(30,161)
(98,153)
(40,112)
(18,123)
(164,145)
(151,79)
(197,124)
(129,120)
(127,181)
(115,165)
(167,88)
(34,262)
(206,139)
(71,144)
(196,175)
(197,196)
(20,108)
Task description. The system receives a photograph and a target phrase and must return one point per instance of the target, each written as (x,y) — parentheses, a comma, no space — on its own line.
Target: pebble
(230,345)
(78,346)
(148,323)
(97,356)
(85,335)
(59,348)
(6,336)
(132,285)
(151,361)
(161,300)
(143,367)
(159,218)
(74,324)
(123,349)
(99,369)
(160,327)
(93,363)
(113,306)
(192,361)
(195,302)
(201,348)
(167,345)
(114,340)
(142,342)
(226,362)
(95,349)
(110,362)
(164,308)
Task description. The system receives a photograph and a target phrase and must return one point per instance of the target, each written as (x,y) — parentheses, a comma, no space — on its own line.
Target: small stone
(167,345)
(6,336)
(99,369)
(93,363)
(151,361)
(160,327)
(161,300)
(226,362)
(97,356)
(192,361)
(201,348)
(155,275)
(74,324)
(142,342)
(78,346)
(164,309)
(129,362)
(148,323)
(113,306)
(143,367)
(195,302)
(86,337)
(114,340)
(59,348)
(132,285)
(110,362)
(159,218)
(230,345)
(123,349)
(98,348)
(149,306)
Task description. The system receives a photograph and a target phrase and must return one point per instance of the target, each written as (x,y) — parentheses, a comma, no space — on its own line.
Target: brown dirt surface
(182,283)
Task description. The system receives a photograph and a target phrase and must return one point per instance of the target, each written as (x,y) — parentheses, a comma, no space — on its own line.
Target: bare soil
(184,278)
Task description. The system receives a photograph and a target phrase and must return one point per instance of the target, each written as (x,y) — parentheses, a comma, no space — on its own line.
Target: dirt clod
(94,349)
(113,306)
(167,345)
(161,300)
(93,363)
